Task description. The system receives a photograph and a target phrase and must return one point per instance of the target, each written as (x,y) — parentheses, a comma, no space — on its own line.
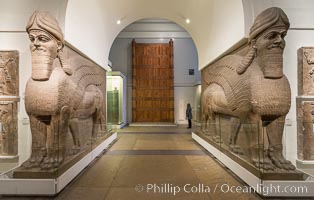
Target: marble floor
(148,163)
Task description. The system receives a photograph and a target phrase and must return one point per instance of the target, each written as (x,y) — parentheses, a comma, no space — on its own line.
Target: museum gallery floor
(165,156)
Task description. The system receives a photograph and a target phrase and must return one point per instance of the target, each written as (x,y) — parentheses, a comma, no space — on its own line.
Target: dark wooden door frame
(152,82)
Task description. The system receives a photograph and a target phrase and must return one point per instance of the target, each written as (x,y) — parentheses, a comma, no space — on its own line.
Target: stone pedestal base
(8,162)
(242,160)
(261,182)
(9,159)
(41,184)
(37,173)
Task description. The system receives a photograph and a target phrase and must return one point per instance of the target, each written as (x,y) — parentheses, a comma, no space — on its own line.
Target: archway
(185,76)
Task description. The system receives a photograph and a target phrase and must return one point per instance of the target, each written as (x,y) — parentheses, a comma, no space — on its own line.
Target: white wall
(87,29)
(14,14)
(225,24)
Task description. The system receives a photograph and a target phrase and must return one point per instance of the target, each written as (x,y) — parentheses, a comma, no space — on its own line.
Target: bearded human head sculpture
(268,32)
(46,42)
(266,40)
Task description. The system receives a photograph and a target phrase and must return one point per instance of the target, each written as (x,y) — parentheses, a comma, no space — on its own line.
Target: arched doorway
(159,93)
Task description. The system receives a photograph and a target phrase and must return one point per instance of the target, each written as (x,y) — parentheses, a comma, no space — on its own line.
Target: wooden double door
(152,82)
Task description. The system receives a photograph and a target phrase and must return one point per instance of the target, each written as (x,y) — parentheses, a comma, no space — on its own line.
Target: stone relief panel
(305,105)
(305,112)
(306,71)
(8,128)
(9,79)
(9,91)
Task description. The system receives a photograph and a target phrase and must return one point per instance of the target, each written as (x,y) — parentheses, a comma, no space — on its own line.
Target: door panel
(152,90)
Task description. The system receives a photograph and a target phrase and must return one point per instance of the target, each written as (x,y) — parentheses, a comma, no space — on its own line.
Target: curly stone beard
(42,63)
(271,62)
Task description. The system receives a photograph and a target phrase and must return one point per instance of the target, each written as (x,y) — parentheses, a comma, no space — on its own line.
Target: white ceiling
(91,25)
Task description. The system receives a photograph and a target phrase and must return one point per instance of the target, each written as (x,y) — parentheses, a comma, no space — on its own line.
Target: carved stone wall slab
(9,73)
(305,114)
(305,103)
(306,71)
(8,128)
(9,98)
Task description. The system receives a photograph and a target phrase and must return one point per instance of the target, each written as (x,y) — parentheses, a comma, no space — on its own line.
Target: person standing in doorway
(188,114)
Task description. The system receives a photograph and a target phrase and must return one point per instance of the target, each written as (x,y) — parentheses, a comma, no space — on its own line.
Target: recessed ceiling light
(187,21)
(119,22)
